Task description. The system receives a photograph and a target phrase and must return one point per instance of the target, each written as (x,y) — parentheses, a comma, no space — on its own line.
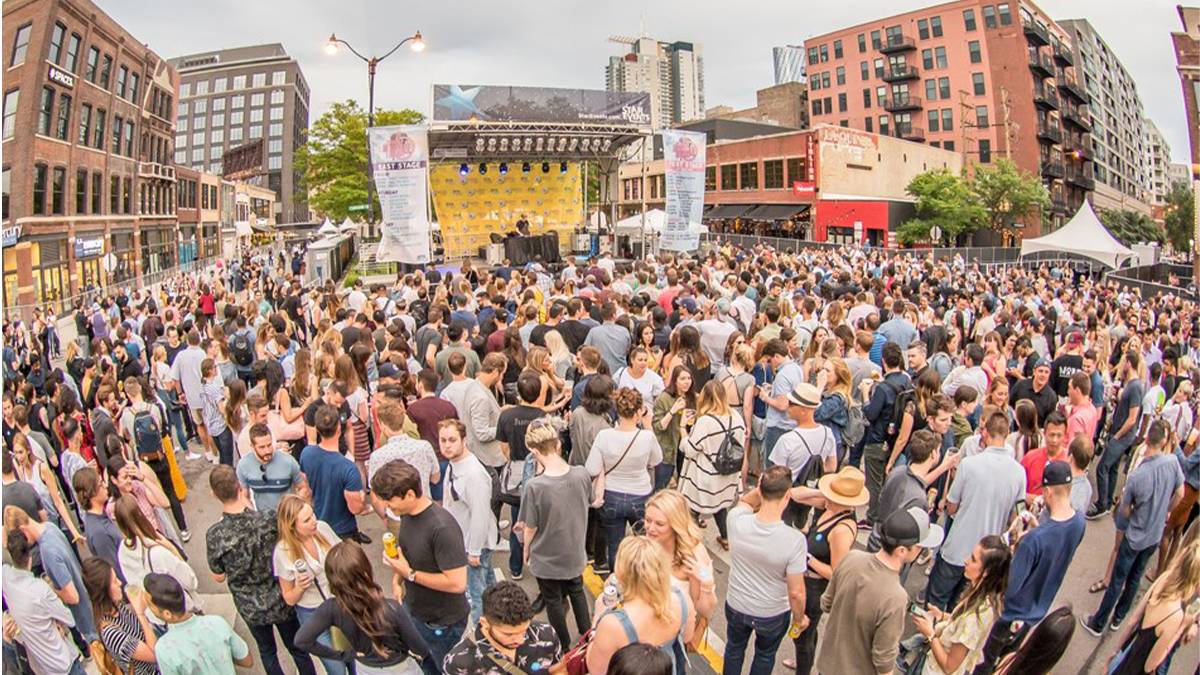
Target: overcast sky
(564,43)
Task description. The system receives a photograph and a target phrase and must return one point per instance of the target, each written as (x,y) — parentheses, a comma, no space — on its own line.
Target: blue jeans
(77,668)
(224,443)
(175,419)
(946,582)
(770,437)
(768,634)
(516,554)
(618,510)
(478,579)
(332,666)
(440,640)
(435,489)
(662,475)
(1106,472)
(1122,589)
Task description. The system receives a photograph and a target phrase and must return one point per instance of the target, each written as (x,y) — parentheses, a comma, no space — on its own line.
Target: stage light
(491,144)
(483,168)
(463,169)
(479,144)
(504,144)
(585,144)
(562,168)
(528,143)
(545,167)
(574,144)
(503,168)
(540,141)
(607,144)
(562,144)
(525,167)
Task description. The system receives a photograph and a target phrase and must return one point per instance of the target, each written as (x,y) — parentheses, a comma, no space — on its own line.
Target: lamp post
(331,48)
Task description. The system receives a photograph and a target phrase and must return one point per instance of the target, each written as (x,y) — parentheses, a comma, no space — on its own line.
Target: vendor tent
(327,228)
(1083,235)
(347,225)
(655,220)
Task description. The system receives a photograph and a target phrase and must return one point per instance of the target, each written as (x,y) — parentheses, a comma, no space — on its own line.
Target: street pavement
(1086,654)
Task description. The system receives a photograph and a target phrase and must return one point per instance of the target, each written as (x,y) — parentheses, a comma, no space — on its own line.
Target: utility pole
(1010,127)
(967,120)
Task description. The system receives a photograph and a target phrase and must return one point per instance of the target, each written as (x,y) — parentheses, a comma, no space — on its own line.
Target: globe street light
(332,47)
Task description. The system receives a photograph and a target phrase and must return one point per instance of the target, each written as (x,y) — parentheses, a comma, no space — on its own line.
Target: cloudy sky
(564,42)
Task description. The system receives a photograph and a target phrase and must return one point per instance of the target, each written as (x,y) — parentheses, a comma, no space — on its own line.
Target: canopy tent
(327,228)
(347,225)
(655,220)
(1083,235)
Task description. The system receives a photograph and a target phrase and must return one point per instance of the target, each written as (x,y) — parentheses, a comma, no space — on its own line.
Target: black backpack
(904,396)
(240,349)
(147,436)
(731,454)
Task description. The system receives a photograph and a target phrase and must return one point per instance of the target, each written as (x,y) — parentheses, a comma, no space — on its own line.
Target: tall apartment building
(88,131)
(1178,172)
(1118,121)
(987,79)
(1157,158)
(789,64)
(671,72)
(233,97)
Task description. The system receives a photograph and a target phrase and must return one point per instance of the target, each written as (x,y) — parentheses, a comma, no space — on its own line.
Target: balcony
(901,73)
(1036,33)
(1049,132)
(1078,116)
(911,133)
(901,103)
(1081,178)
(895,44)
(1041,64)
(1053,169)
(156,170)
(1079,147)
(1044,97)
(1073,88)
(1058,204)
(1063,55)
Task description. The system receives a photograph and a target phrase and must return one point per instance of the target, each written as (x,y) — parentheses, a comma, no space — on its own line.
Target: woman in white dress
(707,490)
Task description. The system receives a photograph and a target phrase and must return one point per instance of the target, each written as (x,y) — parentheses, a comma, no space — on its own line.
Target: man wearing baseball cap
(1038,566)
(1038,390)
(1066,364)
(865,600)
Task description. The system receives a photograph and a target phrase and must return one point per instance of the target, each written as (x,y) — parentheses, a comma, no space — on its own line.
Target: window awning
(728,211)
(776,211)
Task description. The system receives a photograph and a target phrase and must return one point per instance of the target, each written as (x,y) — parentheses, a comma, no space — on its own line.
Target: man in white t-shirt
(185,375)
(356,298)
(809,439)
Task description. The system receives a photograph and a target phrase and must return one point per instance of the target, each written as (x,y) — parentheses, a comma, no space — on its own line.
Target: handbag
(598,481)
(283,430)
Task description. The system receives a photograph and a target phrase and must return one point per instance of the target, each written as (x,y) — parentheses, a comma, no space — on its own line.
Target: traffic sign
(359,207)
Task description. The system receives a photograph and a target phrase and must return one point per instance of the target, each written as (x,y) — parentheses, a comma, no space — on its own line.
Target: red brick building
(983,78)
(88,130)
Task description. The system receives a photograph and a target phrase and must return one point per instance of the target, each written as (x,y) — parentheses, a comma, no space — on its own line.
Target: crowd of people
(898,455)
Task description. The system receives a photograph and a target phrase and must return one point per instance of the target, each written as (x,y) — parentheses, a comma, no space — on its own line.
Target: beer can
(794,631)
(389,545)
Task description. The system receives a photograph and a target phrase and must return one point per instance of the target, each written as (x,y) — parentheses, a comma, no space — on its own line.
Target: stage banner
(486,103)
(400,160)
(684,156)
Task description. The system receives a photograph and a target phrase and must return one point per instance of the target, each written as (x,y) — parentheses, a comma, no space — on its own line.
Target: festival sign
(400,161)
(684,154)
(486,103)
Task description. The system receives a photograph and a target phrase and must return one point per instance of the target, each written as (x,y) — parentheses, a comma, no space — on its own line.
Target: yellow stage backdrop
(470,208)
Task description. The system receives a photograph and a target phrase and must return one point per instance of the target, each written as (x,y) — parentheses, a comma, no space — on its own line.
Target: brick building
(946,75)
(785,104)
(88,135)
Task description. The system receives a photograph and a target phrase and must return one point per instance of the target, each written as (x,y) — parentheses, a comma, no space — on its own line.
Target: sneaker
(194,455)
(185,536)
(1115,625)
(1086,622)
(1097,512)
(361,538)
(518,576)
(502,525)
(539,603)
(602,570)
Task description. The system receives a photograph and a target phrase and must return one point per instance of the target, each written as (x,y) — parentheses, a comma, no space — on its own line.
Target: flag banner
(400,161)
(684,156)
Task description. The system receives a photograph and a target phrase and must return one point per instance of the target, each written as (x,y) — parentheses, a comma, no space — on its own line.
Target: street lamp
(331,48)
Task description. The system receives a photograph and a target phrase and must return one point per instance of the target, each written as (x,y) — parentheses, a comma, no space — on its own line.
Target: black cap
(1056,473)
(911,527)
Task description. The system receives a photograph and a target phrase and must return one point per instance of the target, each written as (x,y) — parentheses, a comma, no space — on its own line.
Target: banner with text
(684,155)
(400,161)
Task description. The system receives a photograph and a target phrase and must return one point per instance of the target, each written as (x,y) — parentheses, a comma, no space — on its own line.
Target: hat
(1042,363)
(846,487)
(388,370)
(805,395)
(723,306)
(1056,473)
(689,304)
(1075,338)
(911,527)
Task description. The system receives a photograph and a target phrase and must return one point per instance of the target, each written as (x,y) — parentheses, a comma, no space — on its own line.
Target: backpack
(796,514)
(239,348)
(731,454)
(856,426)
(904,396)
(147,437)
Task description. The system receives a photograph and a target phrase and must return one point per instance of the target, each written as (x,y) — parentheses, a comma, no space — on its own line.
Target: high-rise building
(233,97)
(1178,172)
(987,79)
(1118,121)
(789,64)
(671,72)
(1157,159)
(88,129)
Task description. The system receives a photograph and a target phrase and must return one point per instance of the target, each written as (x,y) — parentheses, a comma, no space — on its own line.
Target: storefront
(51,279)
(126,257)
(89,267)
(158,250)
(211,234)
(187,244)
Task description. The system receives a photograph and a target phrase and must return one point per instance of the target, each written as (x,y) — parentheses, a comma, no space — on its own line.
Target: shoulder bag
(598,481)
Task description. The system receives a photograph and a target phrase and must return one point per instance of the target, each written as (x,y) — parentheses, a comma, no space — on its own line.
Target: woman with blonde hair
(538,360)
(708,489)
(651,610)
(303,386)
(740,385)
(670,525)
(560,355)
(834,381)
(299,562)
(820,351)
(1162,617)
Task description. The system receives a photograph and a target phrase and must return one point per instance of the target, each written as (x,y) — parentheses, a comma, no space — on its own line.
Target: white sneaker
(194,455)
(501,545)
(503,524)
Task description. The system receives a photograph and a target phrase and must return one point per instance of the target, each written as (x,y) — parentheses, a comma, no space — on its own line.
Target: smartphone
(917,610)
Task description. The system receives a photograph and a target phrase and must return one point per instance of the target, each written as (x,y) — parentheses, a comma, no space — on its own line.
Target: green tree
(1130,227)
(1008,195)
(945,200)
(1181,215)
(333,162)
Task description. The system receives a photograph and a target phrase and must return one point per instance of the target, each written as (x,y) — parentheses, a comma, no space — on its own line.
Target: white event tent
(1083,235)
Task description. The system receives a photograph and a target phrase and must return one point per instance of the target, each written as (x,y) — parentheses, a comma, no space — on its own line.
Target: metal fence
(1151,280)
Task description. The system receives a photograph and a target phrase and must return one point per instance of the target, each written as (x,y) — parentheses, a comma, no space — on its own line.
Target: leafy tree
(945,200)
(1130,227)
(1008,195)
(333,162)
(1181,215)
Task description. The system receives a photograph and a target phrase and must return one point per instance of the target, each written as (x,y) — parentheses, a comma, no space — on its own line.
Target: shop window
(41,176)
(728,176)
(710,178)
(773,174)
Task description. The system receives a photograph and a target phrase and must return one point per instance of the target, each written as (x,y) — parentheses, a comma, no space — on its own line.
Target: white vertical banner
(684,155)
(400,161)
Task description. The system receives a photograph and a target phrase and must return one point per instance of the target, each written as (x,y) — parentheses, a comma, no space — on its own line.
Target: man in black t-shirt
(335,397)
(432,560)
(1036,389)
(1067,364)
(510,431)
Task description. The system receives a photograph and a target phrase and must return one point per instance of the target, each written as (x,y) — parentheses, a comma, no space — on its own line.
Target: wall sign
(60,76)
(11,235)
(88,247)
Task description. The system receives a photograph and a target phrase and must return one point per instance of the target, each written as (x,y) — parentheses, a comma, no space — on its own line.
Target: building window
(235,134)
(875,43)
(128,138)
(866,70)
(923,29)
(931,90)
(729,176)
(256,114)
(927,59)
(127,196)
(56,43)
(276,130)
(199,122)
(11,98)
(825,80)
(948,145)
(944,88)
(122,77)
(218,119)
(867,98)
(236,117)
(256,100)
(73,52)
(89,69)
(275,163)
(278,78)
(183,109)
(118,129)
(133,87)
(795,170)
(20,45)
(98,139)
(947,119)
(862,43)
(939,54)
(185,89)
(773,174)
(824,53)
(969,19)
(114,195)
(97,192)
(989,16)
(710,178)
(974,51)
(1005,14)
(197,138)
(879,67)
(935,25)
(218,104)
(842,102)
(40,176)
(981,116)
(219,84)
(45,111)
(869,124)
(837,49)
(64,117)
(977,81)
(85,124)
(200,107)
(276,113)
(81,179)
(105,70)
(932,122)
(58,188)
(260,80)
(181,125)
(883,125)
(844,123)
(816,107)
(216,136)
(985,151)
(812,56)
(815,82)
(255,131)
(239,82)
(197,155)
(201,87)
(748,176)
(840,74)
